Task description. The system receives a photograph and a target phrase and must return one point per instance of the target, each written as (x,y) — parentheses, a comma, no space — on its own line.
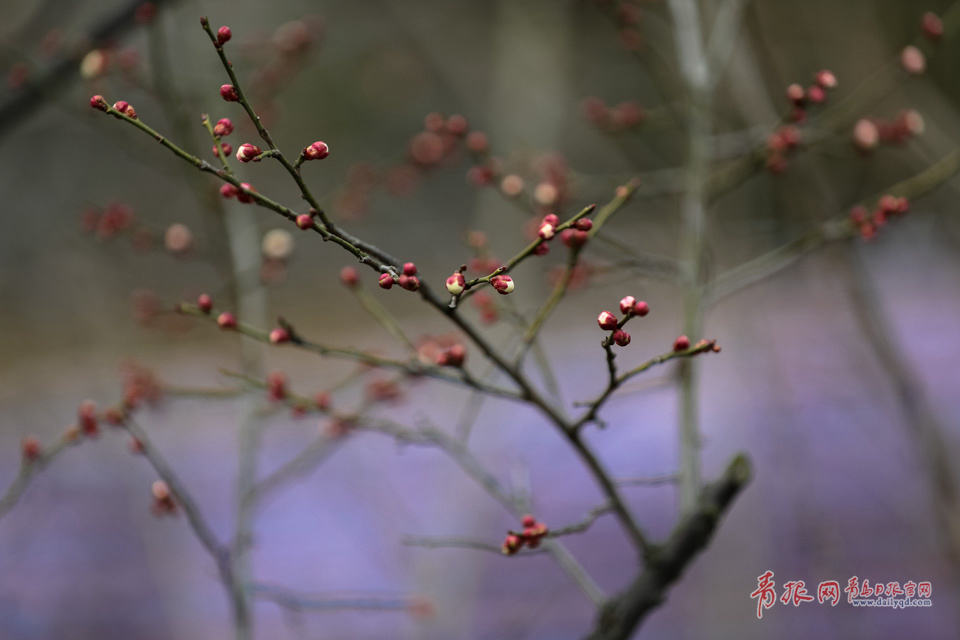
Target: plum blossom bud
(178,239)
(279,335)
(409,269)
(97,102)
(457,125)
(244,193)
(541,249)
(503,284)
(681,344)
(276,386)
(453,357)
(607,321)
(477,142)
(229,93)
(622,338)
(204,303)
(349,277)
(385,281)
(826,80)
(160,490)
(574,238)
(226,147)
(125,108)
(94,64)
(305,221)
(641,309)
(316,151)
(455,284)
(511,544)
(227,320)
(248,152)
(277,244)
(546,194)
(223,35)
(227,190)
(932,27)
(410,283)
(583,224)
(552,219)
(224,127)
(87,415)
(796,94)
(547,231)
(30,449)
(866,136)
(912,60)
(528,521)
(512,185)
(816,94)
(627,304)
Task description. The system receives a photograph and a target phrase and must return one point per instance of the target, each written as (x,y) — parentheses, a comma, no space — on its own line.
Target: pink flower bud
(826,80)
(816,94)
(276,386)
(305,221)
(528,521)
(226,147)
(229,93)
(386,281)
(248,152)
(627,304)
(279,335)
(349,277)
(409,269)
(607,321)
(160,490)
(681,344)
(503,284)
(541,249)
(457,125)
(932,27)
(866,136)
(858,214)
(796,94)
(574,238)
(223,35)
(97,102)
(477,142)
(410,283)
(551,219)
(30,449)
(244,193)
(227,320)
(583,224)
(511,544)
(641,309)
(622,338)
(316,151)
(224,127)
(912,60)
(512,185)
(453,357)
(87,415)
(125,108)
(547,231)
(204,302)
(455,284)
(178,239)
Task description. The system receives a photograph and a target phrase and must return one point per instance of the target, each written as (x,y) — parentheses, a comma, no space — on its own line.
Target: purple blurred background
(841,485)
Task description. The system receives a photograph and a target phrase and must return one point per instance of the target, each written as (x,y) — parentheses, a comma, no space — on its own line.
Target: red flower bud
(826,80)
(97,102)
(30,449)
(223,35)
(641,309)
(622,338)
(229,93)
(627,304)
(932,27)
(204,302)
(607,321)
(349,277)
(224,127)
(455,284)
(541,249)
(316,151)
(912,60)
(225,146)
(248,152)
(452,357)
(305,221)
(866,136)
(511,544)
(816,94)
(279,335)
(574,238)
(227,320)
(796,94)
(409,269)
(244,193)
(227,190)
(547,231)
(503,284)
(276,386)
(88,418)
(528,521)
(583,224)
(552,219)
(125,108)
(385,281)
(477,142)
(681,344)
(410,283)
(457,125)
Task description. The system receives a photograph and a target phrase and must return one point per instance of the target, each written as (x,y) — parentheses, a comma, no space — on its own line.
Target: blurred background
(835,370)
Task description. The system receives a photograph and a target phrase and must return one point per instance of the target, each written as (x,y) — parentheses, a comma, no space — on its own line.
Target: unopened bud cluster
(533,532)
(867,223)
(406,280)
(608,321)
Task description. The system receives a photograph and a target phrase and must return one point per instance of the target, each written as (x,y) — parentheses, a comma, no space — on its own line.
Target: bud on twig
(229,93)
